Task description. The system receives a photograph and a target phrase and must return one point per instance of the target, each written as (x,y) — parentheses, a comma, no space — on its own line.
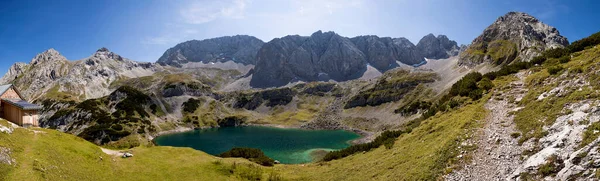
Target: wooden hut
(14,107)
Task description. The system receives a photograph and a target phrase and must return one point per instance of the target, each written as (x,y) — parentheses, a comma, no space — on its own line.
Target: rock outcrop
(13,72)
(239,49)
(439,47)
(515,36)
(106,119)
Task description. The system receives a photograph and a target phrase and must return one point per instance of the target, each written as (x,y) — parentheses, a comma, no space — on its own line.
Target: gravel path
(111,152)
(497,153)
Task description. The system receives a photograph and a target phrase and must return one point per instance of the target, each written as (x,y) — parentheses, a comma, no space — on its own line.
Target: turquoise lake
(289,146)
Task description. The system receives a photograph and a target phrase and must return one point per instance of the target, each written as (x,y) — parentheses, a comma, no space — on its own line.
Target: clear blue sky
(143,30)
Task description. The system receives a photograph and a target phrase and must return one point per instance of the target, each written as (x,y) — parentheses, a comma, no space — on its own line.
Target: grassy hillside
(43,154)
(423,154)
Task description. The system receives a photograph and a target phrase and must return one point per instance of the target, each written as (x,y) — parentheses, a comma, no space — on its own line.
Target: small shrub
(413,108)
(389,143)
(191,105)
(388,138)
(525,176)
(576,70)
(117,127)
(466,85)
(552,166)
(554,70)
(564,59)
(556,53)
(591,133)
(515,135)
(252,154)
(485,84)
(578,158)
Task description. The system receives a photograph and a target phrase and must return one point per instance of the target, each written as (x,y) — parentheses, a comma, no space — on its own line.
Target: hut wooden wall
(12,114)
(30,118)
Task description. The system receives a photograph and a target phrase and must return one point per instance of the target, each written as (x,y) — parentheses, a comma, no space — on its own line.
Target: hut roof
(22,104)
(4,88)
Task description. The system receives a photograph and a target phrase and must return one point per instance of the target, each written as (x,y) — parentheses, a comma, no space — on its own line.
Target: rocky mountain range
(51,75)
(240,49)
(328,56)
(515,36)
(322,56)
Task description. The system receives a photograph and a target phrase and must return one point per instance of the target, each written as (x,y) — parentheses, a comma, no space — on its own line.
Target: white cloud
(207,11)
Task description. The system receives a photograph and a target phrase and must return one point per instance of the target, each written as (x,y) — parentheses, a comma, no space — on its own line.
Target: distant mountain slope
(240,49)
(51,75)
(515,36)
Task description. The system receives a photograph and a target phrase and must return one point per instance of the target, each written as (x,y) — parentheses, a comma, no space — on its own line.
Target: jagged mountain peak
(518,16)
(105,54)
(320,33)
(51,51)
(239,49)
(103,49)
(439,47)
(430,35)
(515,36)
(443,37)
(50,55)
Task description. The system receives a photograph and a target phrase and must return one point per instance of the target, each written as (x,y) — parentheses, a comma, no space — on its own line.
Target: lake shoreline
(365,136)
(307,144)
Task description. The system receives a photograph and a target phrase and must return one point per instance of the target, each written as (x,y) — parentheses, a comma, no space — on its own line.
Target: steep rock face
(515,36)
(329,56)
(322,56)
(408,52)
(240,49)
(51,75)
(13,72)
(439,47)
(382,53)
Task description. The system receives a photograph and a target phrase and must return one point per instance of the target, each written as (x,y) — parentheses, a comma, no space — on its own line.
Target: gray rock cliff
(439,47)
(240,49)
(515,36)
(322,56)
